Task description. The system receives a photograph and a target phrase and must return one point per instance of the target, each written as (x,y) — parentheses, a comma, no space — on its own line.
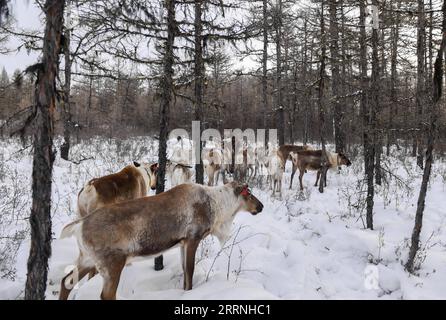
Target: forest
(358,80)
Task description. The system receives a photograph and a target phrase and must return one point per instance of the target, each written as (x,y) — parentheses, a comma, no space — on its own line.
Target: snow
(303,246)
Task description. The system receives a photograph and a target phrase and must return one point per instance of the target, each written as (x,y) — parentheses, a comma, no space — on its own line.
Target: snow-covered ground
(304,246)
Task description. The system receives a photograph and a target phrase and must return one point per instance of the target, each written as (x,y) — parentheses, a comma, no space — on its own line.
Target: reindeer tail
(70,229)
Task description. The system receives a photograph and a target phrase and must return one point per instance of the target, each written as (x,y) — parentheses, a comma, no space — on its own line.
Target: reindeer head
(248,201)
(151,169)
(343,160)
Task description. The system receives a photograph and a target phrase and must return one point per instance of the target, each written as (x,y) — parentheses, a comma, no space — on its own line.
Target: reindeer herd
(273,162)
(119,221)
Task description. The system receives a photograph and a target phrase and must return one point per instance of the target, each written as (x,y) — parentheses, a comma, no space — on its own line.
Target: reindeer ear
(154,167)
(136,164)
(238,188)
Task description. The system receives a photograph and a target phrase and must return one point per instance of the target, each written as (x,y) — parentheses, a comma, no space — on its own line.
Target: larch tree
(321,101)
(199,75)
(371,121)
(336,83)
(265,61)
(66,109)
(4,10)
(421,81)
(166,87)
(437,87)
(45,108)
(366,116)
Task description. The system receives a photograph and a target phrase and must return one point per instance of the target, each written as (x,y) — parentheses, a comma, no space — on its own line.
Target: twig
(21,150)
(230,252)
(81,160)
(396,177)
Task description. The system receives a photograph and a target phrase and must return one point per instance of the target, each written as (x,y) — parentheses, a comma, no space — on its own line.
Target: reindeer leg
(183,262)
(64,291)
(301,174)
(191,246)
(317,177)
(83,267)
(111,274)
(66,286)
(92,273)
(293,172)
(279,182)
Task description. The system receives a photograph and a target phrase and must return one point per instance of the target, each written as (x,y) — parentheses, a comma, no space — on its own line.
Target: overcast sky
(27,15)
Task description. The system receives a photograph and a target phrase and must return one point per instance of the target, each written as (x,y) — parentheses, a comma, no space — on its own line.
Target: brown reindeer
(147,226)
(284,153)
(312,160)
(214,164)
(179,173)
(131,182)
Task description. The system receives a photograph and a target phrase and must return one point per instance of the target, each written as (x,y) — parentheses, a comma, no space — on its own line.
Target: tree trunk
(166,100)
(430,45)
(369,158)
(346,105)
(280,119)
(421,81)
(436,95)
(393,77)
(265,64)
(45,95)
(198,77)
(295,110)
(374,106)
(4,10)
(379,134)
(336,80)
(321,104)
(65,147)
(89,101)
(304,84)
(242,110)
(286,85)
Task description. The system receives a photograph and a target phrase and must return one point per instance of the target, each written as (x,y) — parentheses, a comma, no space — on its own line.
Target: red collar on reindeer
(245,191)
